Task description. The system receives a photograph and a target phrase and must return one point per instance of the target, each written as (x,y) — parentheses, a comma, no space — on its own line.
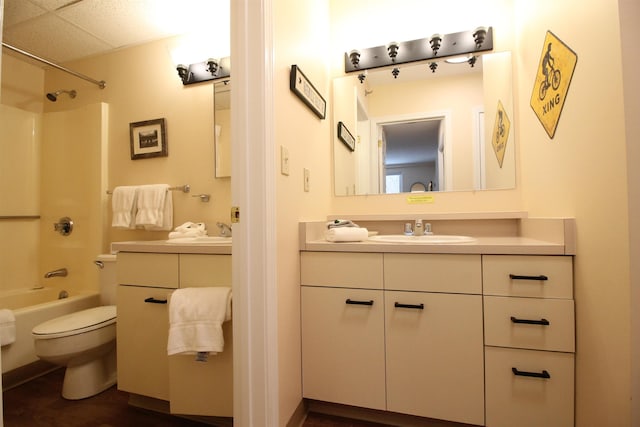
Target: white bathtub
(32,307)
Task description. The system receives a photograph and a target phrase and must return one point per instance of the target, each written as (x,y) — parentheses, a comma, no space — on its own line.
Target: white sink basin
(201,240)
(429,239)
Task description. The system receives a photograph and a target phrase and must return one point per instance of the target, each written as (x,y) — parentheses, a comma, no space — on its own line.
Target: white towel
(195,319)
(124,204)
(155,207)
(346,234)
(189,229)
(7,327)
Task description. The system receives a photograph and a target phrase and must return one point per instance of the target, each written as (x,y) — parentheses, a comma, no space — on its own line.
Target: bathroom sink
(427,239)
(201,240)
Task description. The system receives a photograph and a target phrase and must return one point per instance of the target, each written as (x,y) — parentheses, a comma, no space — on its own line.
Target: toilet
(84,341)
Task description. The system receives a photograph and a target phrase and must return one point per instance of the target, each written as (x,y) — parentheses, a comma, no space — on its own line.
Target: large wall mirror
(425,130)
(222,127)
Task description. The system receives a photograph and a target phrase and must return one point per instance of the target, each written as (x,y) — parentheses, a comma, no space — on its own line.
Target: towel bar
(184,188)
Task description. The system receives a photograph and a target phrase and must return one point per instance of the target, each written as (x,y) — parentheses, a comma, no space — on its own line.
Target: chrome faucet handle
(408,231)
(427,228)
(224,229)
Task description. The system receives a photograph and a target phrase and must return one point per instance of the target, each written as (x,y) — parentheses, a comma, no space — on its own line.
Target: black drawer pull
(519,277)
(543,374)
(416,306)
(155,301)
(543,322)
(356,302)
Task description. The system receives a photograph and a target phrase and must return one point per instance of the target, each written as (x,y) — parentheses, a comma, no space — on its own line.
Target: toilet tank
(108,280)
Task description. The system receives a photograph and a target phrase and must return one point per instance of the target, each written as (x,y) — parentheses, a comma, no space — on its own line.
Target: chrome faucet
(61,272)
(225,230)
(420,228)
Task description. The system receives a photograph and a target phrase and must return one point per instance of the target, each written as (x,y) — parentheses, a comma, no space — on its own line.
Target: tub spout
(61,272)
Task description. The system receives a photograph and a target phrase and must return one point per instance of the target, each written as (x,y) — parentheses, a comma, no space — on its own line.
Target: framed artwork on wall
(148,139)
(304,89)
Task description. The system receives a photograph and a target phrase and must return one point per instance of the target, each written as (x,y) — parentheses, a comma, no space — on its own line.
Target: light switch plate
(306,179)
(284,160)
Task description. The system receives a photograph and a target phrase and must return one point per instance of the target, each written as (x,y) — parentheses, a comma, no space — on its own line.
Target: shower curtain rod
(100,83)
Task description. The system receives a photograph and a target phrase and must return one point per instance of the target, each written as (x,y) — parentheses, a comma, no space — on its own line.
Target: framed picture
(148,139)
(301,86)
(345,136)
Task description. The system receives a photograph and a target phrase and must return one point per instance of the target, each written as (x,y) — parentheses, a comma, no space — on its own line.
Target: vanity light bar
(435,47)
(212,69)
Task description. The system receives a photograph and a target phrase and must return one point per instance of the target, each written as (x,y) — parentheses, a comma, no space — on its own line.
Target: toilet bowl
(84,342)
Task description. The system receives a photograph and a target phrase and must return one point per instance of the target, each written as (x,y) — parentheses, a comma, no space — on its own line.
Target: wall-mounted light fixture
(437,46)
(211,69)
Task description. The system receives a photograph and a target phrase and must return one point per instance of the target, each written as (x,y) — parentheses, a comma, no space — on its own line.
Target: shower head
(53,96)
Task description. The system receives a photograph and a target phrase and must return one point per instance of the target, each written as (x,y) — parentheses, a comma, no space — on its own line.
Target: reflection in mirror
(222,127)
(433,128)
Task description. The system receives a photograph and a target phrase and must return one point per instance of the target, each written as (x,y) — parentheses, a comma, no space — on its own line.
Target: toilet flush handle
(100,264)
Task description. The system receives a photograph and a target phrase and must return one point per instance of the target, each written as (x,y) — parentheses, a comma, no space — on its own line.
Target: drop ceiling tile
(17,11)
(69,43)
(119,22)
(53,5)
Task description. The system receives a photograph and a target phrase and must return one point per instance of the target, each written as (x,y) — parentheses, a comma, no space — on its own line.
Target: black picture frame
(306,91)
(148,139)
(345,136)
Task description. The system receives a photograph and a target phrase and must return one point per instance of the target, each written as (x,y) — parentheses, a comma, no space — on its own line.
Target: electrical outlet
(306,179)
(284,160)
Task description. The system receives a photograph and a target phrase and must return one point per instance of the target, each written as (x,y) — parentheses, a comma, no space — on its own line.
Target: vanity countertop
(499,235)
(481,245)
(161,246)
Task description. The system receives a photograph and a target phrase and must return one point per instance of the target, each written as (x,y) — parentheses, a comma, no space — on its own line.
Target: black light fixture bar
(453,44)
(202,71)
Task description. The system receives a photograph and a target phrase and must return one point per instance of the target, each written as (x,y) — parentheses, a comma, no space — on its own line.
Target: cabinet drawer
(205,270)
(343,346)
(142,333)
(147,269)
(532,323)
(528,276)
(433,273)
(203,388)
(529,401)
(340,269)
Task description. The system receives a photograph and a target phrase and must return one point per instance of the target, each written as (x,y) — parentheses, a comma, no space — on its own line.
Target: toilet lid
(76,323)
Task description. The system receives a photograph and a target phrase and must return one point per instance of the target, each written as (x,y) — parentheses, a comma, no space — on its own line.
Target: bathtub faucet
(61,272)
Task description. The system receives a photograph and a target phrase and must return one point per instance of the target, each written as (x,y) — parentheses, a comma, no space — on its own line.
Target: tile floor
(38,404)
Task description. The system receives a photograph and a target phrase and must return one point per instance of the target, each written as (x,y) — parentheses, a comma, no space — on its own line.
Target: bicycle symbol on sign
(548,68)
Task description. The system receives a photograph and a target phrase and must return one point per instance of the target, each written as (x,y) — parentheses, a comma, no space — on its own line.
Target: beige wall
(142,84)
(299,38)
(557,177)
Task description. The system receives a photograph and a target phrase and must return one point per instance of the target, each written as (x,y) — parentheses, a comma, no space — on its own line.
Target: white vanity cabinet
(398,332)
(433,330)
(146,281)
(529,340)
(343,328)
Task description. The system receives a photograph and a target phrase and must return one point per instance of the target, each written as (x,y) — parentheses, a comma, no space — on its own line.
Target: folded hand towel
(123,203)
(189,229)
(346,234)
(155,207)
(195,319)
(7,327)
(341,223)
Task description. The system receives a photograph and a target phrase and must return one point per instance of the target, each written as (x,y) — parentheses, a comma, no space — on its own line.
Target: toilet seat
(76,323)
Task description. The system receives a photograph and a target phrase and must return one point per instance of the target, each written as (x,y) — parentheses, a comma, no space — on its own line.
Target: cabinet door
(343,346)
(434,355)
(142,333)
(538,393)
(341,270)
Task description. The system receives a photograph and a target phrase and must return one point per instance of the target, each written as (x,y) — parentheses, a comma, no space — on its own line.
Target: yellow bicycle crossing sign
(557,64)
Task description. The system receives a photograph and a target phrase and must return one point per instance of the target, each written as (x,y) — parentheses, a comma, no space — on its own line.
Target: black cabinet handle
(541,277)
(543,374)
(155,301)
(543,322)
(356,302)
(416,306)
